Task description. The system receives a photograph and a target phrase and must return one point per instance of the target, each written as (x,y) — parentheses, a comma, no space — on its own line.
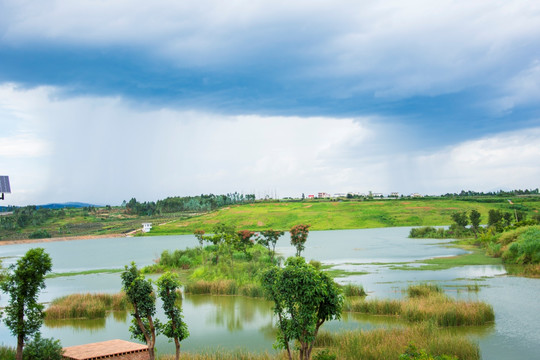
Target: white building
(146,227)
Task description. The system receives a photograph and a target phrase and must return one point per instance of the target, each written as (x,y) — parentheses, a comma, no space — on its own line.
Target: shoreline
(64,238)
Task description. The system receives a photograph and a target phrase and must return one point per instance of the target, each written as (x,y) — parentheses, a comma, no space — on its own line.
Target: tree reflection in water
(233,311)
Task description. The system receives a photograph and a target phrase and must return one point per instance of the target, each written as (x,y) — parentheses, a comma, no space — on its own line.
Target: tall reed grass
(427,303)
(7,352)
(351,290)
(388,344)
(90,306)
(225,355)
(423,290)
(223,287)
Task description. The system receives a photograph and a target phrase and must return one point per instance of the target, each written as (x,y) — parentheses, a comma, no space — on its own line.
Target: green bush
(324,355)
(412,353)
(43,349)
(526,250)
(39,234)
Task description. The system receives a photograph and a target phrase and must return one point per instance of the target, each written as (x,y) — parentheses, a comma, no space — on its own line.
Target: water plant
(90,306)
(352,290)
(427,302)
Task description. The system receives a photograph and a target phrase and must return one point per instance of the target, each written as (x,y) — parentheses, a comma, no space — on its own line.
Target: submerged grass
(427,303)
(86,272)
(476,257)
(90,306)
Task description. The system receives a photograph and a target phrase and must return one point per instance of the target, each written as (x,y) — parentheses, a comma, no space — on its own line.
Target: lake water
(217,322)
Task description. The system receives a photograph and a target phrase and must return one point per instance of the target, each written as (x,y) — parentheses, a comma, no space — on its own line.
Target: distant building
(416,195)
(378,195)
(323,195)
(110,350)
(311,196)
(338,195)
(146,227)
(394,194)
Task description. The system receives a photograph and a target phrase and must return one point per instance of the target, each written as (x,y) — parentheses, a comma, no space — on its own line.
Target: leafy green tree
(244,240)
(460,219)
(175,328)
(304,298)
(43,349)
(495,218)
(269,238)
(141,295)
(299,234)
(24,315)
(475,216)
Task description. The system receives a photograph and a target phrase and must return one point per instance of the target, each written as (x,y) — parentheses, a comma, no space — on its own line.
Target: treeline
(468,224)
(200,203)
(500,193)
(29,216)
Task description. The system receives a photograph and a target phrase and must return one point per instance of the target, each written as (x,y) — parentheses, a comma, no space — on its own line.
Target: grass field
(280,215)
(333,215)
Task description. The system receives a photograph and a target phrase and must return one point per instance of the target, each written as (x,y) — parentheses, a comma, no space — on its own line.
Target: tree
(475,216)
(244,240)
(175,328)
(269,238)
(494,217)
(299,234)
(140,294)
(304,298)
(24,315)
(461,219)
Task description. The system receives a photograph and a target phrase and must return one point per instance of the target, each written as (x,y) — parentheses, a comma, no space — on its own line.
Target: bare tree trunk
(177,345)
(152,337)
(20,344)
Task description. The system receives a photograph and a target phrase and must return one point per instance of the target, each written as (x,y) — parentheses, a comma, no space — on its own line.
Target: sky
(102,101)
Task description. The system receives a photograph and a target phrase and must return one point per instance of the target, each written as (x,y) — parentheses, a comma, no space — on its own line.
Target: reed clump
(351,290)
(90,306)
(223,287)
(374,306)
(427,303)
(226,355)
(423,290)
(388,344)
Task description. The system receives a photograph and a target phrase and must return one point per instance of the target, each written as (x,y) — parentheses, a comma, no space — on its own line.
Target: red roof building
(112,349)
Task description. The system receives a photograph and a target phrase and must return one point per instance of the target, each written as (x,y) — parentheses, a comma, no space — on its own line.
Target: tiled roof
(103,349)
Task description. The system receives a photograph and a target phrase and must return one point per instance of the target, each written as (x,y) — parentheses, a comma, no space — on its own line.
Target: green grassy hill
(332,215)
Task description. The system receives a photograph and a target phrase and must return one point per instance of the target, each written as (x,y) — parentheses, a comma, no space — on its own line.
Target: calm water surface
(237,322)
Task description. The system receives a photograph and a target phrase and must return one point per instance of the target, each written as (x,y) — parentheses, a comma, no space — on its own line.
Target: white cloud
(503,161)
(23,146)
(105,150)
(390,49)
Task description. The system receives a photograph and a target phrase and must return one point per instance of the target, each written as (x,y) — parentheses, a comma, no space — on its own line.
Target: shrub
(39,234)
(43,349)
(526,250)
(324,355)
(412,353)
